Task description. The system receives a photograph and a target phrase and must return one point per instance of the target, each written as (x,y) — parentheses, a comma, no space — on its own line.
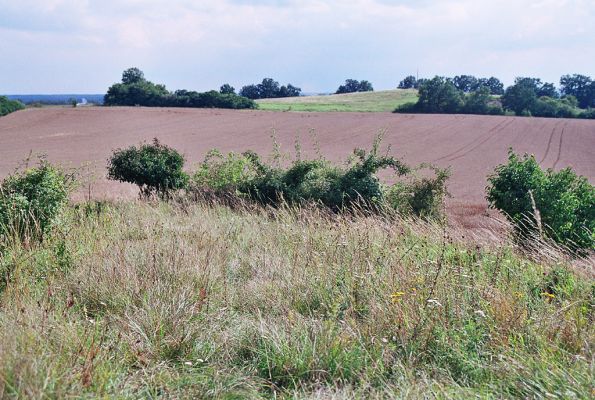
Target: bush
(319,181)
(562,208)
(155,168)
(8,106)
(31,201)
(422,197)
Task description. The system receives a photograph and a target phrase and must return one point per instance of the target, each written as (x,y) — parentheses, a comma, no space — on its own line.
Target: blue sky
(82,46)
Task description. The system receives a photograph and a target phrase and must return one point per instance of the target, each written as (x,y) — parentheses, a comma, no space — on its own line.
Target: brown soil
(471,145)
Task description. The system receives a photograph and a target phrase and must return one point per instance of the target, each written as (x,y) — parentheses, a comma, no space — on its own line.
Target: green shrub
(564,201)
(155,168)
(422,197)
(319,181)
(31,201)
(8,106)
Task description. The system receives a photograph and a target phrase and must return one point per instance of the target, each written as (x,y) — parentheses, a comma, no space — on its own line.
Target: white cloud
(313,43)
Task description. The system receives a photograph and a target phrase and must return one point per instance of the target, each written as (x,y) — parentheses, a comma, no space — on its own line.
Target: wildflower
(518,295)
(396,296)
(434,302)
(480,313)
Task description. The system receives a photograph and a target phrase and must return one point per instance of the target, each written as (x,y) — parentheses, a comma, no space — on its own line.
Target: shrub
(155,168)
(319,181)
(563,201)
(8,106)
(31,201)
(422,197)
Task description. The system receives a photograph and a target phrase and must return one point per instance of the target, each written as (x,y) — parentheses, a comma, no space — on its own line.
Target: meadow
(379,101)
(196,300)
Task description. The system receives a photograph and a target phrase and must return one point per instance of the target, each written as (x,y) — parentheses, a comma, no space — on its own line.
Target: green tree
(250,91)
(353,85)
(466,83)
(132,75)
(477,102)
(439,95)
(227,89)
(409,82)
(520,97)
(581,87)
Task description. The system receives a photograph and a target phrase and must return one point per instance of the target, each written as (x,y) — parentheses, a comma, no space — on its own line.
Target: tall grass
(193,301)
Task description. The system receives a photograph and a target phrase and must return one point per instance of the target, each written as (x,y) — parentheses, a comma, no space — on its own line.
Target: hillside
(379,101)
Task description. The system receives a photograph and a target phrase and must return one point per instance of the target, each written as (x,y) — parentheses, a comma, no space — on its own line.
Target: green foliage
(155,168)
(31,201)
(565,202)
(423,197)
(319,181)
(135,90)
(269,89)
(581,87)
(8,106)
(227,89)
(439,95)
(353,86)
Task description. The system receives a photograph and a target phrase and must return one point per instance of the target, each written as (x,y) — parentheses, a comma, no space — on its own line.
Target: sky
(82,46)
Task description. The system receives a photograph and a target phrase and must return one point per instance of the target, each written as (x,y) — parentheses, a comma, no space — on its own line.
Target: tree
(353,85)
(465,83)
(409,82)
(581,87)
(132,75)
(520,97)
(227,89)
(496,87)
(289,91)
(250,91)
(439,95)
(268,89)
(549,90)
(477,102)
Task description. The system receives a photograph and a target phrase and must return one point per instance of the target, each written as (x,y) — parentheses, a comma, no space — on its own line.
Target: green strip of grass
(381,101)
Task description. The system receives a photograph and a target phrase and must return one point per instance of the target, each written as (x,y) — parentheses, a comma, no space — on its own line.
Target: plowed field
(471,145)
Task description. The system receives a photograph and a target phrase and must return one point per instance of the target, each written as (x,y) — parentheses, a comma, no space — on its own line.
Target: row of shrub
(546,204)
(135,90)
(559,206)
(8,106)
(157,169)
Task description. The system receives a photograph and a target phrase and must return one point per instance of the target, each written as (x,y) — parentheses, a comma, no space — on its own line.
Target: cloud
(312,43)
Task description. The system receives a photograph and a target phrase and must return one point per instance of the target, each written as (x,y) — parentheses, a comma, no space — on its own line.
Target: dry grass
(184,301)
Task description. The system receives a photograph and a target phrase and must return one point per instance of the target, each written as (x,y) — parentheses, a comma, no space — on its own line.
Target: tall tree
(581,87)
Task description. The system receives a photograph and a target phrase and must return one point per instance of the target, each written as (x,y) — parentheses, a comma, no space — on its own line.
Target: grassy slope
(192,301)
(386,100)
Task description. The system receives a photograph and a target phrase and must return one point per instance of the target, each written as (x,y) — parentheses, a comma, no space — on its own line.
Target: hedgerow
(320,181)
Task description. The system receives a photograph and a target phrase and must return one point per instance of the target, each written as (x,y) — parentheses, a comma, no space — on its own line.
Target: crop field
(384,100)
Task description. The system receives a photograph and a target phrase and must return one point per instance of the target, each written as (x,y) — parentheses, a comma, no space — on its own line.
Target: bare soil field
(471,145)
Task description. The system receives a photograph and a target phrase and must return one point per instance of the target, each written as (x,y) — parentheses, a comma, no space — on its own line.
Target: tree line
(135,90)
(466,94)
